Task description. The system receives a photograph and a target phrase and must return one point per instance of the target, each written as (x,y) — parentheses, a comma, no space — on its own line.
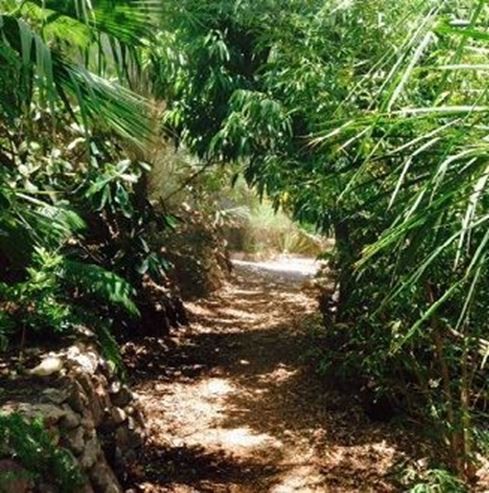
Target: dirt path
(233,408)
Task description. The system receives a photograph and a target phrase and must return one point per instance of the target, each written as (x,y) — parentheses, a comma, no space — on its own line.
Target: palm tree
(69,52)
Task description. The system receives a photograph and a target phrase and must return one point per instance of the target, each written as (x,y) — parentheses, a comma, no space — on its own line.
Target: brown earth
(233,407)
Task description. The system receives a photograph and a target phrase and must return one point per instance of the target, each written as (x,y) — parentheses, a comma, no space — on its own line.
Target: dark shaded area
(194,466)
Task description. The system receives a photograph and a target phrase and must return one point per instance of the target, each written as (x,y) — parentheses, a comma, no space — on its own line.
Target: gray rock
(50,413)
(101,391)
(139,417)
(103,479)
(48,366)
(87,420)
(84,380)
(85,402)
(71,419)
(115,387)
(94,403)
(91,453)
(127,439)
(77,398)
(87,361)
(54,396)
(123,397)
(74,440)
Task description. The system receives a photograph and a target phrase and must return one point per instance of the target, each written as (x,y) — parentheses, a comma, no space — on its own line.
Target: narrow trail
(232,407)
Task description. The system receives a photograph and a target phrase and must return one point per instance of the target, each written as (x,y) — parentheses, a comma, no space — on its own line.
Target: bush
(30,444)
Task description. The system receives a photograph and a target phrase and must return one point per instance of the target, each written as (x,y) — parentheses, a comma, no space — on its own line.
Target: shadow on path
(233,408)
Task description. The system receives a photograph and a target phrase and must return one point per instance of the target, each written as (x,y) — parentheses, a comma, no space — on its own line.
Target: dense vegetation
(365,119)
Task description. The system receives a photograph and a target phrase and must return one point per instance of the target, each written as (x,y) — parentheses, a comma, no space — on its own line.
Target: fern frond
(110,350)
(102,283)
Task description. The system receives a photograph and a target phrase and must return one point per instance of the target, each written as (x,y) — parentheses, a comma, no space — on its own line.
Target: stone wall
(86,410)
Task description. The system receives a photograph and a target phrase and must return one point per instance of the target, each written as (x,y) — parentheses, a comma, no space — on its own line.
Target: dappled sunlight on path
(232,407)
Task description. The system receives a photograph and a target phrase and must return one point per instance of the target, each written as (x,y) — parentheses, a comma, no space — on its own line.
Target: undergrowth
(29,444)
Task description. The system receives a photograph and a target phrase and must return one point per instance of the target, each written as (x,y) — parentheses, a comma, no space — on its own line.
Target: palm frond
(100,101)
(129,21)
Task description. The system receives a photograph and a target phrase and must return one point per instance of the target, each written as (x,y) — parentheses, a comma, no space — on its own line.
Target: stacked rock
(86,410)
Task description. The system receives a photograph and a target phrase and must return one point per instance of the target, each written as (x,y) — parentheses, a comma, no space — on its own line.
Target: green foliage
(36,44)
(367,119)
(39,238)
(31,445)
(37,303)
(95,280)
(433,481)
(74,216)
(76,224)
(116,197)
(421,142)
(364,119)
(110,351)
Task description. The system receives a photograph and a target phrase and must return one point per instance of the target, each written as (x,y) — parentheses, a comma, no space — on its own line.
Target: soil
(233,406)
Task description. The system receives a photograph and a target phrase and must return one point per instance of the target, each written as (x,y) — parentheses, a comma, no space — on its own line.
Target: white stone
(88,361)
(118,415)
(48,366)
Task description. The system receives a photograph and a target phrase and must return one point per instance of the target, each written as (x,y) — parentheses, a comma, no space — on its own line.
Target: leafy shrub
(38,303)
(191,193)
(30,444)
(433,481)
